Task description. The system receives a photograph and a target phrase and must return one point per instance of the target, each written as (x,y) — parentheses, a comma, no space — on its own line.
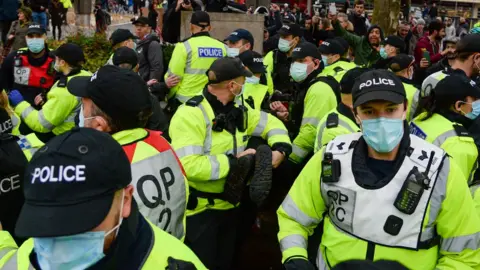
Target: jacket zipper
(370,251)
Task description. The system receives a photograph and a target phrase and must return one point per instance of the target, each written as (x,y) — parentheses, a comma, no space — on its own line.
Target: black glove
(298,264)
(175,264)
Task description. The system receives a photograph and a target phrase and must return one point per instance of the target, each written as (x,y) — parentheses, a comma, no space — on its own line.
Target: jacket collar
(346,111)
(217,106)
(130,136)
(201,34)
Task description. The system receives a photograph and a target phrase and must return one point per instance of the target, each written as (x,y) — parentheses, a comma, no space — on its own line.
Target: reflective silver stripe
(189,150)
(27,111)
(276,131)
(310,120)
(44,122)
(188,64)
(414,105)
(324,125)
(195,71)
(4,251)
(207,144)
(15,120)
(473,189)
(460,243)
(261,124)
(238,150)
(182,98)
(438,195)
(215,174)
(296,214)
(12,263)
(321,263)
(299,152)
(294,240)
(443,137)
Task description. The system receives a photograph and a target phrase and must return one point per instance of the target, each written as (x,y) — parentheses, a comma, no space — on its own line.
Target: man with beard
(448,60)
(366,47)
(431,43)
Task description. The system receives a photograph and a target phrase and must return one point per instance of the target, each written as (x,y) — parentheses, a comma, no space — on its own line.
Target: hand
(152,81)
(277,158)
(449,50)
(39,100)
(179,4)
(172,81)
(42,7)
(1,228)
(15,97)
(424,63)
(278,106)
(11,37)
(249,151)
(187,7)
(283,116)
(274,7)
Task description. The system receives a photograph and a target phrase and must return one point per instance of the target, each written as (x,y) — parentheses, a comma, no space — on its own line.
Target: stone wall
(224,23)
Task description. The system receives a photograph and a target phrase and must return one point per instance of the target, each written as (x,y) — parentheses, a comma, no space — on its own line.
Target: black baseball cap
(348,79)
(305,49)
(253,60)
(291,29)
(395,41)
(71,53)
(401,62)
(344,43)
(200,18)
(120,93)
(331,46)
(120,35)
(70,183)
(143,21)
(240,34)
(125,55)
(36,28)
(469,43)
(454,88)
(228,68)
(378,85)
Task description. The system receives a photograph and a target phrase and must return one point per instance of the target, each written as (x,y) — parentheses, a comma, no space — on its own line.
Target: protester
(450,29)
(172,19)
(91,220)
(18,31)
(39,8)
(449,58)
(55,10)
(149,50)
(433,12)
(8,14)
(431,44)
(417,33)
(404,33)
(359,19)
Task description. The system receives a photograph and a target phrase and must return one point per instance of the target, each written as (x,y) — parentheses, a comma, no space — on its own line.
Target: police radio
(412,190)
(330,168)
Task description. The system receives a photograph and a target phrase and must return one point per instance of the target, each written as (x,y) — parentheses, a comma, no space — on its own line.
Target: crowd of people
(145,164)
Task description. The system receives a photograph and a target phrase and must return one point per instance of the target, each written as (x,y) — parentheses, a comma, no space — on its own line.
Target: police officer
(192,58)
(404,67)
(315,97)
(392,46)
(210,133)
(239,41)
(58,113)
(383,194)
(80,212)
(30,70)
(257,92)
(117,101)
(334,65)
(122,38)
(449,115)
(340,120)
(278,61)
(467,61)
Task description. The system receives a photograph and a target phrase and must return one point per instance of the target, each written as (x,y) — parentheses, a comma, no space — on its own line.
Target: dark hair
(117,125)
(435,26)
(359,2)
(464,55)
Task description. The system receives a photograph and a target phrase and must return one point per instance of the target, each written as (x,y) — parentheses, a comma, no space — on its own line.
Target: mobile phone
(332,9)
(426,55)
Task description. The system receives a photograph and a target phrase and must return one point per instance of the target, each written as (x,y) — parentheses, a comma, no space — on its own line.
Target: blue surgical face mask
(475,110)
(299,71)
(73,252)
(253,80)
(284,45)
(134,46)
(35,45)
(81,118)
(325,60)
(233,52)
(382,134)
(383,53)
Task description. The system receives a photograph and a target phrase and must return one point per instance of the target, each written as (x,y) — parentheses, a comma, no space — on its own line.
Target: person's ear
(209,28)
(99,123)
(316,64)
(248,46)
(127,201)
(458,105)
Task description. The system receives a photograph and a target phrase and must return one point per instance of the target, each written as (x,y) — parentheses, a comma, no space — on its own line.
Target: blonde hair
(4,103)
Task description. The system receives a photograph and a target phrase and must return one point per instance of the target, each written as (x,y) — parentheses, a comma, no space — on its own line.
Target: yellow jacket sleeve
(465,161)
(270,83)
(301,211)
(458,225)
(8,247)
(60,103)
(319,100)
(262,124)
(475,190)
(188,131)
(268,62)
(177,66)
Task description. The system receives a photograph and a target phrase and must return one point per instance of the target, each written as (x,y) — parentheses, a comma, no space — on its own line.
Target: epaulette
(62,82)
(338,69)
(461,130)
(332,120)
(194,101)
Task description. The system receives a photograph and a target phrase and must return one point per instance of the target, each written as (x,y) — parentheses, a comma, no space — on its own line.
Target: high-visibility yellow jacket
(413,96)
(431,82)
(450,136)
(475,190)
(334,124)
(338,69)
(255,94)
(151,155)
(66,3)
(203,151)
(58,113)
(29,144)
(446,213)
(163,247)
(190,61)
(319,100)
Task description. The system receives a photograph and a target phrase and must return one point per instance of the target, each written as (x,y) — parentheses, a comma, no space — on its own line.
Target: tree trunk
(385,14)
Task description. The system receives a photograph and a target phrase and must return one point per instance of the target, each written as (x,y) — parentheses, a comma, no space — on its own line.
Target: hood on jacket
(374,26)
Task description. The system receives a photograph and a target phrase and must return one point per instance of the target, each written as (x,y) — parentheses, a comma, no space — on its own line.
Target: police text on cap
(59,174)
(377,81)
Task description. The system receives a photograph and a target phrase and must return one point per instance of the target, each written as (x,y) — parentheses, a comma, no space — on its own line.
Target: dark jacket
(359,23)
(158,120)
(440,65)
(151,63)
(8,10)
(36,4)
(365,54)
(433,49)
